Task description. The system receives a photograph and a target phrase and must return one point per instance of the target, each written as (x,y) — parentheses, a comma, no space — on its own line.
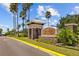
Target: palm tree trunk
(28,14)
(48,22)
(17,25)
(23,25)
(25,21)
(14,23)
(17,22)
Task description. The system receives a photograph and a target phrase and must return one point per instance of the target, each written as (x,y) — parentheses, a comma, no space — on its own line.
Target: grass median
(65,51)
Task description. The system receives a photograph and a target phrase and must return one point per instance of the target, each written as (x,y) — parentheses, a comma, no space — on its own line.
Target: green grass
(65,51)
(72,47)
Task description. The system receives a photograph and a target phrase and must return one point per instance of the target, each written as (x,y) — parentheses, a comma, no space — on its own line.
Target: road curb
(40,48)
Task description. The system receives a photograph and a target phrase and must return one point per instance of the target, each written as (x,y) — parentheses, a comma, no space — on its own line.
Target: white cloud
(42,9)
(7,6)
(53,12)
(3,26)
(76,7)
(48,6)
(75,10)
(43,18)
(71,13)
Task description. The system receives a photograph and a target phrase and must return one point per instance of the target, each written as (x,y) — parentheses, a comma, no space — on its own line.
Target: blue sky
(57,10)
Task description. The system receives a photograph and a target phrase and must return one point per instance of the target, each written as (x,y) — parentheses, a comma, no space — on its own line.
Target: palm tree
(7,29)
(22,15)
(48,15)
(17,21)
(26,7)
(13,9)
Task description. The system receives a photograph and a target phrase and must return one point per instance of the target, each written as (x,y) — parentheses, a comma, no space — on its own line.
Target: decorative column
(28,33)
(32,33)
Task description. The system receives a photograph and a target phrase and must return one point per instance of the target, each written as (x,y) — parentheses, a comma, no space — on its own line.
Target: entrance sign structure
(34,29)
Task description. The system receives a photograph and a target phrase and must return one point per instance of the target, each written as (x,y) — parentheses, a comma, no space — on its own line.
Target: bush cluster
(67,37)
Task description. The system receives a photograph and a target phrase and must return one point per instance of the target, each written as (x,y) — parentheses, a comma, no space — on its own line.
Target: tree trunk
(48,22)
(17,25)
(14,23)
(25,20)
(23,25)
(28,14)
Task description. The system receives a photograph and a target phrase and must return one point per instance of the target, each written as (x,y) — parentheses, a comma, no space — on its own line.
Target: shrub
(22,35)
(67,37)
(11,33)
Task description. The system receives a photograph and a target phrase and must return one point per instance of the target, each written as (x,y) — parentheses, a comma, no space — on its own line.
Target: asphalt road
(9,47)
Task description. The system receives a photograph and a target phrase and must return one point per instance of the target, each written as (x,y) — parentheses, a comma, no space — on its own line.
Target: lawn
(65,51)
(72,47)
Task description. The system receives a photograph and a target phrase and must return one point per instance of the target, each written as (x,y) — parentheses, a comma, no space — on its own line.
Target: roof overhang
(35,22)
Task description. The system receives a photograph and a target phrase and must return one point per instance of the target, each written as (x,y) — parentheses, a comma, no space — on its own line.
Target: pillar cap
(35,22)
(71,24)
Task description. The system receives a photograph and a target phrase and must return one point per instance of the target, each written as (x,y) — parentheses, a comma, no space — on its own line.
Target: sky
(37,12)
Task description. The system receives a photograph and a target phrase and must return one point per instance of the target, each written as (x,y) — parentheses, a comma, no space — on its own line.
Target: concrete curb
(40,48)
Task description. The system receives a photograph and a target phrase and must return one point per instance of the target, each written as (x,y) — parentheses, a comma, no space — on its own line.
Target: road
(9,47)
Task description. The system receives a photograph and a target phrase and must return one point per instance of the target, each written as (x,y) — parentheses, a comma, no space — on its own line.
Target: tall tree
(13,9)
(7,29)
(23,15)
(17,21)
(48,15)
(68,19)
(26,7)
